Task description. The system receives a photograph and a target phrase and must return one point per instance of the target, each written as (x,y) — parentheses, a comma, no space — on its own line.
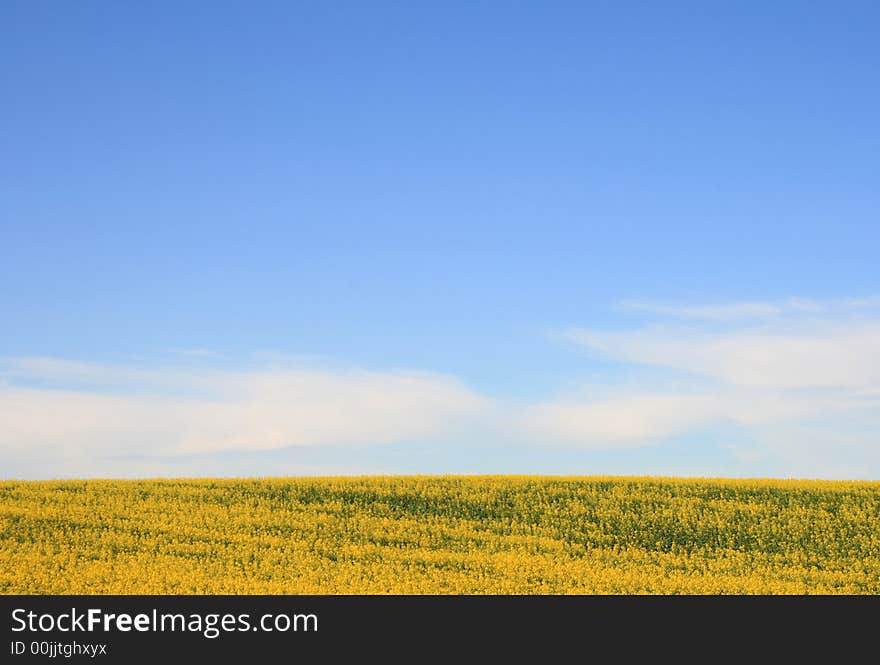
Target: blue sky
(290,238)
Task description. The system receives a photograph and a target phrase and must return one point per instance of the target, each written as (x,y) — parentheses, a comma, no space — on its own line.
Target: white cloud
(638,418)
(799,381)
(868,302)
(107,378)
(834,356)
(732,312)
(214,411)
(620,421)
(745,312)
(793,386)
(195,353)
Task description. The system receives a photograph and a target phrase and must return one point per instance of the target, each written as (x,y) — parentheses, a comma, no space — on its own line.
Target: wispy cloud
(772,370)
(732,312)
(628,420)
(751,311)
(195,353)
(637,417)
(213,411)
(831,356)
(792,385)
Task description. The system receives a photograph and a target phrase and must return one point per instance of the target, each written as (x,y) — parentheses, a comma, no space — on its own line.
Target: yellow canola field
(440,535)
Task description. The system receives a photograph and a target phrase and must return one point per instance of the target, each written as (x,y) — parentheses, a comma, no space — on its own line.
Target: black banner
(127,629)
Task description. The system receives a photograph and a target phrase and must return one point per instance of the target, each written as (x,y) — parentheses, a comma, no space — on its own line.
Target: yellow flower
(440,534)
